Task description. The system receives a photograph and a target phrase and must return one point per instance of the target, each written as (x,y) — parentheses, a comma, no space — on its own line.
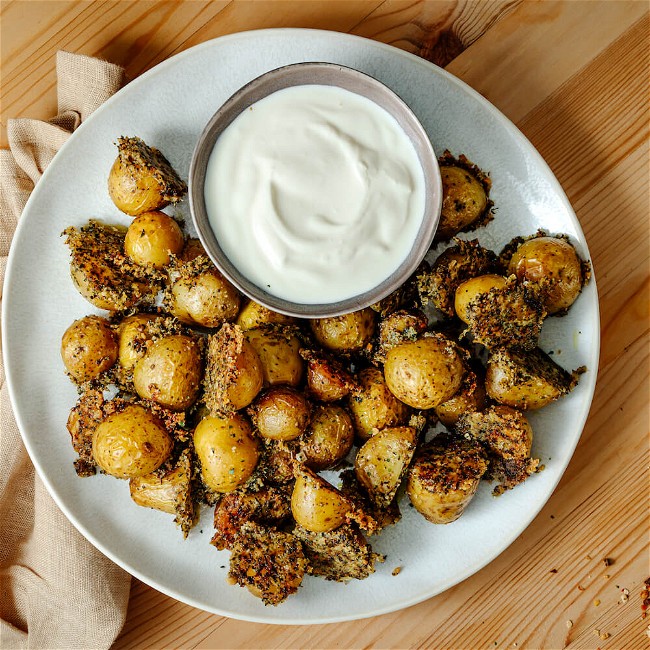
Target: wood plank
(139,34)
(436,31)
(136,34)
(541,46)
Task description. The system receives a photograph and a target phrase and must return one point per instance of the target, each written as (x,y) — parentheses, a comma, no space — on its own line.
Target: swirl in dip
(315,194)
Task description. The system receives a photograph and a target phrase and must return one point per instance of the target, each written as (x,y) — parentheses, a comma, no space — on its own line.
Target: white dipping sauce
(315,194)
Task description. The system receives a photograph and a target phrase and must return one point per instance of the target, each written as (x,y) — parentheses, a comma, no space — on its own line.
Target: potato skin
(255,315)
(207,299)
(151,238)
(373,406)
(526,380)
(469,398)
(382,461)
(463,201)
(131,443)
(233,373)
(444,478)
(227,451)
(469,289)
(315,504)
(346,333)
(141,179)
(131,334)
(170,372)
(552,263)
(424,373)
(279,353)
(88,348)
(329,437)
(280,413)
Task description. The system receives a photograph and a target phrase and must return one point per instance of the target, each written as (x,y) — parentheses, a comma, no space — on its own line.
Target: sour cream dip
(315,193)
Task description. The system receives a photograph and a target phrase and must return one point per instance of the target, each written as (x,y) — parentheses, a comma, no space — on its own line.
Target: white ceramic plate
(168,107)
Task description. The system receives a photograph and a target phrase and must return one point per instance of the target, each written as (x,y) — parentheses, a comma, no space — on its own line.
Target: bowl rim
(321,73)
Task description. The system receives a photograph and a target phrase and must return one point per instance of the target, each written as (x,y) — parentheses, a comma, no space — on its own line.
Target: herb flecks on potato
(465,196)
(142,179)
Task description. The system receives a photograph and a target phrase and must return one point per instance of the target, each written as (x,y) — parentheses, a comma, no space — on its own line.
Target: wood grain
(573,75)
(139,34)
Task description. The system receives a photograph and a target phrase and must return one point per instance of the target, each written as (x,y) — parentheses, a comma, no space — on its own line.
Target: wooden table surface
(573,76)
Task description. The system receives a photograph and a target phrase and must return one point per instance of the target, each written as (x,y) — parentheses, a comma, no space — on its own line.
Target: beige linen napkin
(56,589)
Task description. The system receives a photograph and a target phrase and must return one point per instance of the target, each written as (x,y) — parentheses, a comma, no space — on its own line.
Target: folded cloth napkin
(56,589)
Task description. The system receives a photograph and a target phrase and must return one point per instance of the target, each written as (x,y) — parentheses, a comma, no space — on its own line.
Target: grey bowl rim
(198,212)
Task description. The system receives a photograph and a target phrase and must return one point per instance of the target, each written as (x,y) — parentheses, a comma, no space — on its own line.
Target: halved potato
(316,504)
(382,461)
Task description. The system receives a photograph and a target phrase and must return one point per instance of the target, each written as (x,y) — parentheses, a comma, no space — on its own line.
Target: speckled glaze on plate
(168,107)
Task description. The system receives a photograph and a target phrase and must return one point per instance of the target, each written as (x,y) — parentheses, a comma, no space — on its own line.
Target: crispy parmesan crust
(511,316)
(464,260)
(270,563)
(224,348)
(134,152)
(341,555)
(97,255)
(508,438)
(269,506)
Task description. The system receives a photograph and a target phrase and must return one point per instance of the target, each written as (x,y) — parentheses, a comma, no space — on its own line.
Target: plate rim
(8,357)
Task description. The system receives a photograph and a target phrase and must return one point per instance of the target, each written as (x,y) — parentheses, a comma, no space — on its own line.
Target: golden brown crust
(464,260)
(270,563)
(101,271)
(342,554)
(511,316)
(270,506)
(134,153)
(508,438)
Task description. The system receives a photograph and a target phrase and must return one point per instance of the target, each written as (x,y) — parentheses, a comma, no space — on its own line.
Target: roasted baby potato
(397,328)
(280,413)
(207,299)
(327,379)
(255,315)
(170,372)
(508,439)
(469,398)
(424,373)
(227,450)
(88,348)
(510,316)
(317,505)
(444,477)
(465,260)
(465,202)
(553,264)
(152,238)
(279,353)
(382,461)
(131,443)
(328,438)
(470,289)
(233,374)
(526,379)
(100,270)
(169,492)
(141,179)
(373,406)
(346,333)
(133,336)
(268,562)
(269,506)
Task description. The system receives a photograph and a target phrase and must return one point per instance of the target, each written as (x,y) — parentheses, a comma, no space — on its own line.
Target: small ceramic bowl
(332,75)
